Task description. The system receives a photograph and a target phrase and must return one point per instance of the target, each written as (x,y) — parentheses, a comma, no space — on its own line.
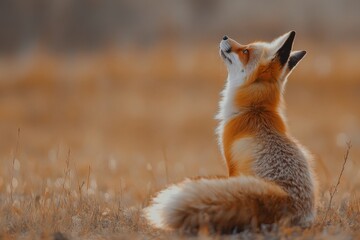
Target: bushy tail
(220,205)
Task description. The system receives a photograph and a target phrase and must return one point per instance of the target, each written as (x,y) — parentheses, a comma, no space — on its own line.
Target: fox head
(259,71)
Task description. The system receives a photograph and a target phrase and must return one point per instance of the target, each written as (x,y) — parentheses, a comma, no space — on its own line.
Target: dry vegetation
(98,134)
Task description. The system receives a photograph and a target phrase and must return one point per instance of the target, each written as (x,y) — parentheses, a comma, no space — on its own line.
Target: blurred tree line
(90,24)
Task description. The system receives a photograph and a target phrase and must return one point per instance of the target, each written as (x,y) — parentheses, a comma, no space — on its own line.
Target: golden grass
(100,133)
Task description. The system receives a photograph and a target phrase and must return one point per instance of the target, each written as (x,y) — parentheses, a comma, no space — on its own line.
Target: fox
(271,177)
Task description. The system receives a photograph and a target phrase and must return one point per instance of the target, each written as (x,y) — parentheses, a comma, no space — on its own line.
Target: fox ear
(282,47)
(284,51)
(294,58)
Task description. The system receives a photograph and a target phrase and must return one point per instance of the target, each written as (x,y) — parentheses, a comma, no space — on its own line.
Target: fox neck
(246,112)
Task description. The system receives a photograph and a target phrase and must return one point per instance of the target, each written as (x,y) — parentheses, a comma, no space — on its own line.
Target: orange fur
(258,101)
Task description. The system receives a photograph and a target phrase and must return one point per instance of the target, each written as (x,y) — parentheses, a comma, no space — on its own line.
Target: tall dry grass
(100,133)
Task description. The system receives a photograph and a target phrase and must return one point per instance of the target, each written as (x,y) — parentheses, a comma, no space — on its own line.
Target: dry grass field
(87,139)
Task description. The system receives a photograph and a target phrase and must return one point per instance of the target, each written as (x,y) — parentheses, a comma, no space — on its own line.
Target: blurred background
(130,88)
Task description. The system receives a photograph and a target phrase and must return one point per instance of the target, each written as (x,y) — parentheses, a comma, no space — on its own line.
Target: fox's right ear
(283,52)
(280,47)
(295,58)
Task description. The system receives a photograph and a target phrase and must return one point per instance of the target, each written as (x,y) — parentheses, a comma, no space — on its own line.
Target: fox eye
(245,51)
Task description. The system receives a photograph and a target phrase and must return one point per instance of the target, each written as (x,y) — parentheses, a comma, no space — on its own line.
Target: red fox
(271,177)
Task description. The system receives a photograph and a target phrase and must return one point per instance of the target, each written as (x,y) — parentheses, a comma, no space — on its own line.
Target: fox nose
(225,37)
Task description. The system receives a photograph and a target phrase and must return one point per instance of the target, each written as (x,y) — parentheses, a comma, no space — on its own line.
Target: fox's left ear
(294,58)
